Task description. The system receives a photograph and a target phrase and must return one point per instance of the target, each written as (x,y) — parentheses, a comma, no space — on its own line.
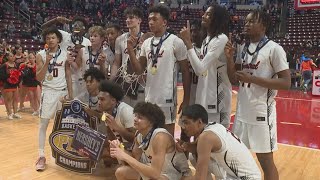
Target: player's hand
(102,58)
(111,122)
(229,50)
(63,20)
(70,57)
(131,42)
(243,76)
(115,143)
(185,33)
(117,152)
(48,57)
(179,145)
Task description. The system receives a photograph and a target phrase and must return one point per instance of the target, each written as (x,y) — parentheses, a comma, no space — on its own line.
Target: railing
(10,4)
(24,15)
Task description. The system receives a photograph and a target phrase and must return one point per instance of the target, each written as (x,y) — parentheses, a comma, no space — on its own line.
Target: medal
(154,70)
(49,77)
(205,73)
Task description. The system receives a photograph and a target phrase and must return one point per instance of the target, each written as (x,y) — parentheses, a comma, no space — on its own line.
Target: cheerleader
(30,83)
(21,59)
(10,76)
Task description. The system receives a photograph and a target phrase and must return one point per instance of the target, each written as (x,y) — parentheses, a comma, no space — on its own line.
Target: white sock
(42,135)
(41,153)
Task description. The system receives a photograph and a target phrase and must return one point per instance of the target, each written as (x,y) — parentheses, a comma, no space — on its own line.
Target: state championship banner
(72,114)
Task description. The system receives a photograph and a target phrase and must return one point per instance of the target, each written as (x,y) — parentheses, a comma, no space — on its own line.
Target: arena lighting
(291,123)
(161,1)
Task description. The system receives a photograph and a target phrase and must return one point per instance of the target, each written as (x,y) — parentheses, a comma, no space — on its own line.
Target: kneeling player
(215,149)
(154,152)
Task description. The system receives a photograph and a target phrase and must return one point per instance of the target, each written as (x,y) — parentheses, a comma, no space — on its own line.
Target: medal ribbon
(94,61)
(245,50)
(146,140)
(154,55)
(55,58)
(205,46)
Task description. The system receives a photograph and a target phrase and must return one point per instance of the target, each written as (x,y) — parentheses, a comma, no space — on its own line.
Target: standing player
(94,55)
(55,75)
(121,70)
(160,55)
(73,42)
(216,150)
(196,39)
(113,31)
(214,88)
(261,67)
(154,152)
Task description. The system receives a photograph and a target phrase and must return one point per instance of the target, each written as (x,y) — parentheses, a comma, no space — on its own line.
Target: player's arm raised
(42,68)
(59,19)
(138,65)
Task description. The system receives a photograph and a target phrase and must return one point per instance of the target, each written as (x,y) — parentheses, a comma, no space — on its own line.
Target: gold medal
(103,117)
(205,73)
(50,77)
(154,70)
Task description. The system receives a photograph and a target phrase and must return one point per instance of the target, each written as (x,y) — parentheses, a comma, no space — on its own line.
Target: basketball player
(119,115)
(73,42)
(55,75)
(113,31)
(215,149)
(92,77)
(94,55)
(261,68)
(196,39)
(160,55)
(121,70)
(214,88)
(154,153)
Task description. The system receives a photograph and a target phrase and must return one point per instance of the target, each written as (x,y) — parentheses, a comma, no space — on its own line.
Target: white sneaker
(35,113)
(10,116)
(41,164)
(16,115)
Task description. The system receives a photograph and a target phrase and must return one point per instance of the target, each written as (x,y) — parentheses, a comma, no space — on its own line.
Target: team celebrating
(132,80)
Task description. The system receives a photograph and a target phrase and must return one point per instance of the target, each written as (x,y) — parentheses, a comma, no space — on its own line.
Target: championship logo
(71,115)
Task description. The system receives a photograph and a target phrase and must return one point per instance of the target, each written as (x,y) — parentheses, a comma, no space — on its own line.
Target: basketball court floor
(298,157)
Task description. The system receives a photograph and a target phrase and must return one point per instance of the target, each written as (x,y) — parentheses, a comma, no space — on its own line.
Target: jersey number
(55,72)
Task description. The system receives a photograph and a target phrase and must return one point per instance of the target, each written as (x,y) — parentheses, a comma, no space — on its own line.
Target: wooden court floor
(19,151)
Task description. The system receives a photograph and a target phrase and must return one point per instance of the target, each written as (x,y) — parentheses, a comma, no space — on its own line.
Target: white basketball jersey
(65,45)
(161,87)
(124,118)
(121,48)
(58,81)
(234,157)
(86,59)
(110,58)
(194,78)
(214,91)
(256,104)
(175,163)
(91,101)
